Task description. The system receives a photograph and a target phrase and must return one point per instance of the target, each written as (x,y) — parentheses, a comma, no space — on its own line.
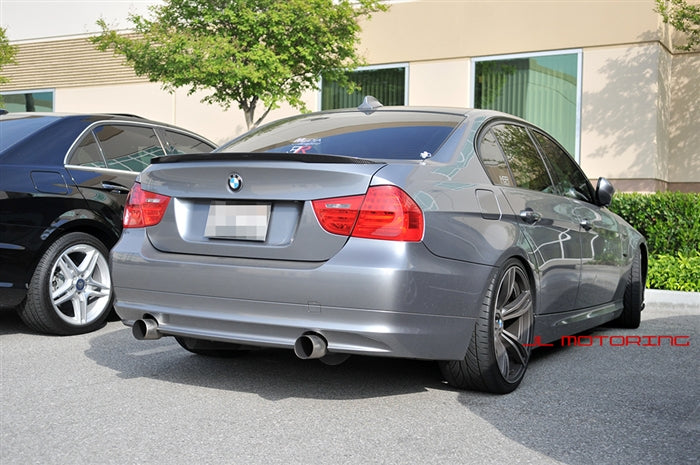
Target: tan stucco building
(633,99)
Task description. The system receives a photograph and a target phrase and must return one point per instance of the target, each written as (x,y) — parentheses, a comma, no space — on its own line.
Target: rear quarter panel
(466,217)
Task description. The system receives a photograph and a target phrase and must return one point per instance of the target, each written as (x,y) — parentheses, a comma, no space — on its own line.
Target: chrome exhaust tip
(310,346)
(146,329)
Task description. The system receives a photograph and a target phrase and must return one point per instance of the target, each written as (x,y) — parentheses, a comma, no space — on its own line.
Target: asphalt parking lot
(106,398)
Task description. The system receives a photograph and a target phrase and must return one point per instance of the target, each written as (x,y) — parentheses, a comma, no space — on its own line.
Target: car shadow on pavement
(273,374)
(637,402)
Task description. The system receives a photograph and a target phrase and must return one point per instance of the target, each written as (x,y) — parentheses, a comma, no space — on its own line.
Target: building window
(386,83)
(544,89)
(28,100)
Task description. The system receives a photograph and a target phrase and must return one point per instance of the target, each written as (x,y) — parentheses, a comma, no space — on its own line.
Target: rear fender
(79,220)
(86,221)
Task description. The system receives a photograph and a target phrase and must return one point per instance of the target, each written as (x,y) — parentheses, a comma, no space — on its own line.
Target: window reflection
(28,101)
(524,160)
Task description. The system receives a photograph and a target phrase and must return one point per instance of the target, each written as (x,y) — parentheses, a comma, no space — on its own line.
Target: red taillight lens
(385,212)
(144,208)
(338,215)
(389,213)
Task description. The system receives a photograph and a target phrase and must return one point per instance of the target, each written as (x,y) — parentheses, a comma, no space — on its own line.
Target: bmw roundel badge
(235,182)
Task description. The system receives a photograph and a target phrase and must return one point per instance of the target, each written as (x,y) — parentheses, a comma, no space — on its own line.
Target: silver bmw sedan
(463,236)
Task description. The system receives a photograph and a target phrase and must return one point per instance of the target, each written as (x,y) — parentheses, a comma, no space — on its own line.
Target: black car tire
(211,348)
(633,302)
(71,289)
(499,351)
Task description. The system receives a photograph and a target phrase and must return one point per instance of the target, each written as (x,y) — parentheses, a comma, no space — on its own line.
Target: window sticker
(300,148)
(304,145)
(306,141)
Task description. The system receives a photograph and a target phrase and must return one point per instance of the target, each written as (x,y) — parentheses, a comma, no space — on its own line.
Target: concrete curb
(676,299)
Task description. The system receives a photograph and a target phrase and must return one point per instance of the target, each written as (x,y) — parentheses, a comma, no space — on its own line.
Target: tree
(683,17)
(251,52)
(7,53)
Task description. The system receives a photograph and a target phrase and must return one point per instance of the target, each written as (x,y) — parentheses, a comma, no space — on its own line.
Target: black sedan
(63,183)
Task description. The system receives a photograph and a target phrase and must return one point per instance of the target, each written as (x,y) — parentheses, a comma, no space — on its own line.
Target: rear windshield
(379,135)
(13,130)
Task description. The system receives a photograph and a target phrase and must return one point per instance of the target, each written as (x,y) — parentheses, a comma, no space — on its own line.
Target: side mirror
(604,192)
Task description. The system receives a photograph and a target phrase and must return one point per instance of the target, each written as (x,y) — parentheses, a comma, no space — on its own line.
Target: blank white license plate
(242,222)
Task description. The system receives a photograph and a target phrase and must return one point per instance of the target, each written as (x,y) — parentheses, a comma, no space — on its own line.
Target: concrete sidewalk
(675,299)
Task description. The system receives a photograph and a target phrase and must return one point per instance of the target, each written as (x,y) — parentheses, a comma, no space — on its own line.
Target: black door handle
(118,188)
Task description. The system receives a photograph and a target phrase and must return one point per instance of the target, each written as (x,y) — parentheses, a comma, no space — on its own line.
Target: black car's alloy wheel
(498,351)
(71,289)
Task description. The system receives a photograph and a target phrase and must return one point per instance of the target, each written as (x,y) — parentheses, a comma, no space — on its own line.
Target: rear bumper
(374,297)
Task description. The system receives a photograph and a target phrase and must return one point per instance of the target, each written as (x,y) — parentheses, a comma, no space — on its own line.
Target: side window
(128,148)
(494,161)
(87,153)
(176,143)
(524,160)
(570,180)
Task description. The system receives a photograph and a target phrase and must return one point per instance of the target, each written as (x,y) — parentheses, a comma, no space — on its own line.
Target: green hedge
(678,272)
(670,221)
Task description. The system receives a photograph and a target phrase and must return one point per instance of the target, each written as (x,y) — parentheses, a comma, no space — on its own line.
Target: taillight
(338,215)
(389,213)
(384,212)
(144,208)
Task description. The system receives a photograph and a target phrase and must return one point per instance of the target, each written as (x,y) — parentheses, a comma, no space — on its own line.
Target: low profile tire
(211,348)
(71,289)
(633,302)
(498,352)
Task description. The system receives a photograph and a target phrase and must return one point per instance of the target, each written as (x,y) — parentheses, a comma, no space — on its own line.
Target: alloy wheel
(80,285)
(512,324)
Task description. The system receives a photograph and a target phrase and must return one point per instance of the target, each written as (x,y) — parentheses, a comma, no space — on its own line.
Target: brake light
(144,208)
(389,213)
(384,212)
(338,215)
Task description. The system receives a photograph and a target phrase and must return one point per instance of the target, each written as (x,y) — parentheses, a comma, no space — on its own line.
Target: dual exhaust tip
(307,346)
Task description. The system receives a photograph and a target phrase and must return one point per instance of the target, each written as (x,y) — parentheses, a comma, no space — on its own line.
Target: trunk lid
(255,206)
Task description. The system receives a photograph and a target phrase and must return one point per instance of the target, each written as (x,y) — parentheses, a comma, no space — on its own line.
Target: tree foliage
(250,52)
(7,53)
(683,17)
